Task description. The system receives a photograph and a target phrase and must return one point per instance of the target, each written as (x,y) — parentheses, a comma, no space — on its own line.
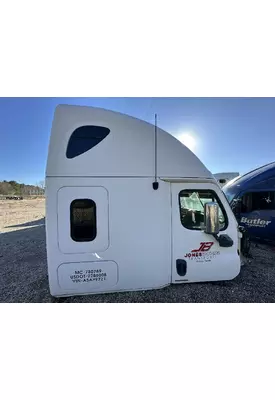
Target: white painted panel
(128,150)
(139,239)
(88,276)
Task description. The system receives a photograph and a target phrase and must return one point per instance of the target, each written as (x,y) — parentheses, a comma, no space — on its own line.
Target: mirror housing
(211,218)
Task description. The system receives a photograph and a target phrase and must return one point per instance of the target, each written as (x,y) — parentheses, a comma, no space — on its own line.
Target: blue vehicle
(252,198)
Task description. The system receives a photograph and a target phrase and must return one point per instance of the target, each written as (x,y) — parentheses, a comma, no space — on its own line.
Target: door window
(192,203)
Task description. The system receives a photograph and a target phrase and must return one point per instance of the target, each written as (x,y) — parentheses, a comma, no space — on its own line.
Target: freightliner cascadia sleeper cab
(128,207)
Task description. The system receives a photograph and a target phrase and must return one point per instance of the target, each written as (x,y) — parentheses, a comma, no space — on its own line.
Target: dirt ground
(23,268)
(19,214)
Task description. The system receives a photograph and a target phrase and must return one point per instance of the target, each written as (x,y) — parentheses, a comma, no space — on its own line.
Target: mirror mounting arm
(224,240)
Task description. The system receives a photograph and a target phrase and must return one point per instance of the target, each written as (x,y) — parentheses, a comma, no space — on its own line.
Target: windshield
(231,189)
(230,193)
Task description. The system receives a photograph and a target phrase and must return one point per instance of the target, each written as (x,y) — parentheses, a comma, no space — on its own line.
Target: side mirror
(211,218)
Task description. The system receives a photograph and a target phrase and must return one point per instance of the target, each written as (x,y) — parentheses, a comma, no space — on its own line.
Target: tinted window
(257,201)
(84,139)
(83,220)
(192,208)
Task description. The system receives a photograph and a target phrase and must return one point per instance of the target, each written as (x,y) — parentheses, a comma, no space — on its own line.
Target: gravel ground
(23,275)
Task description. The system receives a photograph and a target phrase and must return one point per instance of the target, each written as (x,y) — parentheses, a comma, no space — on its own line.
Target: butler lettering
(255,222)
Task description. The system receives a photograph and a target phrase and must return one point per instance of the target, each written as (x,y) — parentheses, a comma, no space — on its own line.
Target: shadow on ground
(23,277)
(36,222)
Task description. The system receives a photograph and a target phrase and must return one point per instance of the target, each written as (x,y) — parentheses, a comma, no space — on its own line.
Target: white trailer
(128,207)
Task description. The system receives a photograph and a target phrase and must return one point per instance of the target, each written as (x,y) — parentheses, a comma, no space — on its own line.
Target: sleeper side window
(85,138)
(192,203)
(83,220)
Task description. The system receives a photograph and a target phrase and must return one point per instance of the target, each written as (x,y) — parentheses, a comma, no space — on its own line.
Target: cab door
(197,256)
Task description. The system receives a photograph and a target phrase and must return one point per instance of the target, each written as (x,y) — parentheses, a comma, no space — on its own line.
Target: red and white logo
(202,253)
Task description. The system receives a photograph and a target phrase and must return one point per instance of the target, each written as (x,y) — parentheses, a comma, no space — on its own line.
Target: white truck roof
(127,150)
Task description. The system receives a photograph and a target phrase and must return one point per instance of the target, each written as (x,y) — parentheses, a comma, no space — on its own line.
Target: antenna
(155,183)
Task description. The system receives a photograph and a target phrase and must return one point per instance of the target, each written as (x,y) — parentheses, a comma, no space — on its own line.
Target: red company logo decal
(205,246)
(203,253)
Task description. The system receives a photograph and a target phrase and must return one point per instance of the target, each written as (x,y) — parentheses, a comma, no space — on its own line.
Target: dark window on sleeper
(83,220)
(85,138)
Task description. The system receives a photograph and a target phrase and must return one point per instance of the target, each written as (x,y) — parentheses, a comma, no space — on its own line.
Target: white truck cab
(128,207)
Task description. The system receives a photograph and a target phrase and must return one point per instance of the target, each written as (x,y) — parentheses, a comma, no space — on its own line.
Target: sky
(228,134)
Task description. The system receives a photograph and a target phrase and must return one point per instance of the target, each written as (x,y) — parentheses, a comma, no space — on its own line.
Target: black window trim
(218,201)
(71,218)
